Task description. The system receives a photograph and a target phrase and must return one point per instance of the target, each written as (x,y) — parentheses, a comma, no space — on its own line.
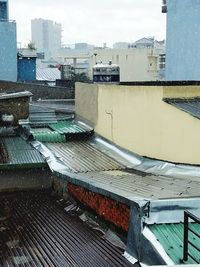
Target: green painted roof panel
(171,238)
(68,127)
(50,137)
(20,154)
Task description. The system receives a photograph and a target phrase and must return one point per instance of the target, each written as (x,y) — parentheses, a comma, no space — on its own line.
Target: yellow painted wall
(86,103)
(136,118)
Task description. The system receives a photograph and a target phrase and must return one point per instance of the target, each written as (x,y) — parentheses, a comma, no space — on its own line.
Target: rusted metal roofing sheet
(20,154)
(143,185)
(59,240)
(171,238)
(83,156)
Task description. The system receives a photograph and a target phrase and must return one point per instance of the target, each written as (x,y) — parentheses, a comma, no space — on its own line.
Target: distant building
(83,46)
(121,45)
(148,42)
(8,45)
(46,35)
(183,38)
(26,65)
(48,75)
(135,64)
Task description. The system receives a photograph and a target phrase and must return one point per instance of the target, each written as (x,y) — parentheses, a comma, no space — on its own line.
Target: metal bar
(192,258)
(186,253)
(193,217)
(189,229)
(194,246)
(185,239)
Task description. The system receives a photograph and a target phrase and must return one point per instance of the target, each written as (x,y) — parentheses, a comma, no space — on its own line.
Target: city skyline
(95,23)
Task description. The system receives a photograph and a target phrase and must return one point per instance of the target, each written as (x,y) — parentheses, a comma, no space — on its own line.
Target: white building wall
(135,64)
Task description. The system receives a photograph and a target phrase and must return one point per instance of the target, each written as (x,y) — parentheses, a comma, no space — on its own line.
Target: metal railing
(186,241)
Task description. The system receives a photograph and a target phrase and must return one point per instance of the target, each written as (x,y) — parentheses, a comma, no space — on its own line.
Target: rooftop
(59,240)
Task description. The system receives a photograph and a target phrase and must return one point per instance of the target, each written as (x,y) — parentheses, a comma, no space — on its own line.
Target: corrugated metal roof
(70,128)
(189,105)
(21,154)
(47,74)
(82,156)
(51,136)
(40,233)
(171,238)
(61,131)
(41,115)
(147,186)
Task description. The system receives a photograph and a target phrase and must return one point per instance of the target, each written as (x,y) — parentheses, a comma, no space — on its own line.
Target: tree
(31,46)
(78,77)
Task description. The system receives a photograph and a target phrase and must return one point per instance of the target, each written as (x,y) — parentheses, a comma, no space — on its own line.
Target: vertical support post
(185,240)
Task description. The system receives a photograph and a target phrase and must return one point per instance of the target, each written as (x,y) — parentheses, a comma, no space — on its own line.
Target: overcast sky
(92,21)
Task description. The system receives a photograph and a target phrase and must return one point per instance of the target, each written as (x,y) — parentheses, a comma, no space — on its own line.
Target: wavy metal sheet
(67,127)
(171,238)
(59,240)
(144,185)
(41,115)
(47,135)
(81,156)
(20,153)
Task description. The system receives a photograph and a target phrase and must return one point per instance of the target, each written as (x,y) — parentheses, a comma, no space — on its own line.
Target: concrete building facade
(136,64)
(183,37)
(46,35)
(8,45)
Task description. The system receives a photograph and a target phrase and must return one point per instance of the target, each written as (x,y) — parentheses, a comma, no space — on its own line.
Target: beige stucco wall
(188,91)
(136,118)
(86,103)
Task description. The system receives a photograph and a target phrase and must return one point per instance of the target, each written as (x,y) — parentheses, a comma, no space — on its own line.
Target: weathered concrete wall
(137,118)
(18,107)
(38,91)
(12,180)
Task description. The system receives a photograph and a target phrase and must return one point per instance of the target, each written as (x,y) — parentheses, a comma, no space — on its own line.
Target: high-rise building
(183,37)
(8,45)
(46,35)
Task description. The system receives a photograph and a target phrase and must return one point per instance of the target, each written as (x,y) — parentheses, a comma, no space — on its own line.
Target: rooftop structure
(142,197)
(136,64)
(106,73)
